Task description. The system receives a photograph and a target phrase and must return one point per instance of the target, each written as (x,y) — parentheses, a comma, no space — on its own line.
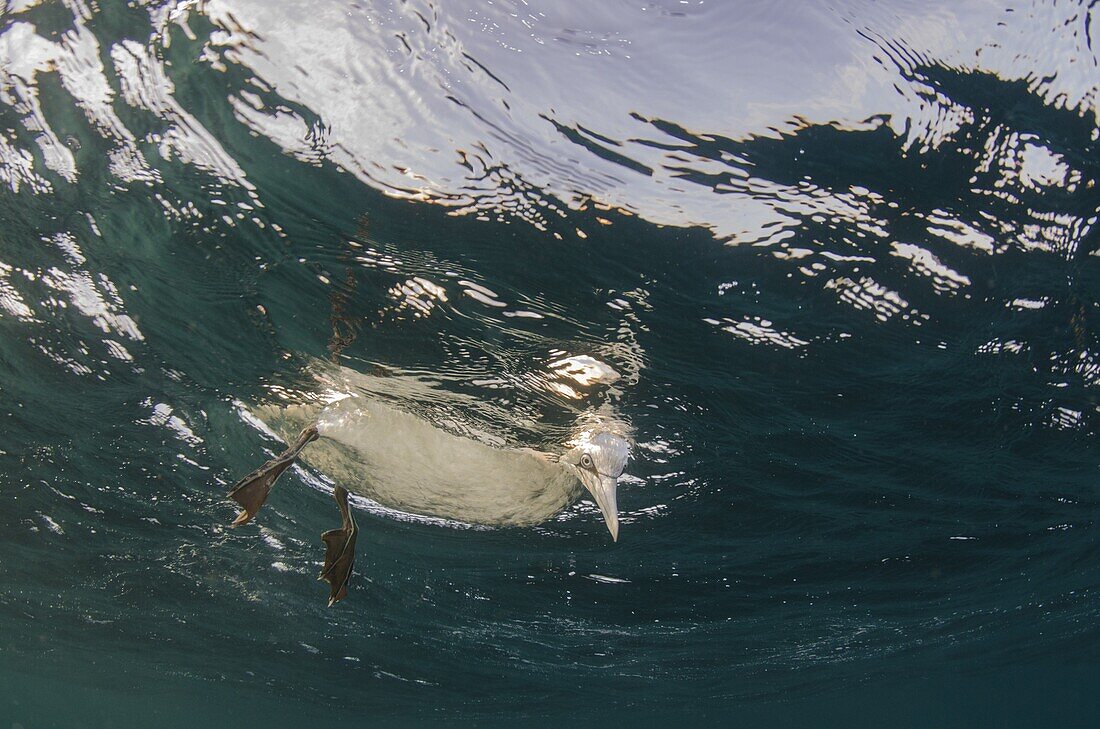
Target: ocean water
(843,256)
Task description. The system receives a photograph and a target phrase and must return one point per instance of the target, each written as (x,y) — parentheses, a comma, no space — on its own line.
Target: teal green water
(844,260)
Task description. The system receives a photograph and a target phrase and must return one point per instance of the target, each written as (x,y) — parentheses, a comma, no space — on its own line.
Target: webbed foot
(339,550)
(252,490)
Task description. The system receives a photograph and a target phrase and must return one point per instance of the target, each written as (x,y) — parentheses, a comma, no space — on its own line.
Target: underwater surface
(842,259)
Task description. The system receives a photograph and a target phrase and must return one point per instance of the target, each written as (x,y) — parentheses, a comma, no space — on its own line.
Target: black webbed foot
(339,550)
(252,490)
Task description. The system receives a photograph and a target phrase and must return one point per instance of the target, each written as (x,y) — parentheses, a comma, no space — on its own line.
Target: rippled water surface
(842,256)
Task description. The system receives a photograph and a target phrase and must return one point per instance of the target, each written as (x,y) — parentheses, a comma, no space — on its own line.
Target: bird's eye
(586,461)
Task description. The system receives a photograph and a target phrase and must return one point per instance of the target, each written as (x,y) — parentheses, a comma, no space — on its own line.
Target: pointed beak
(603,490)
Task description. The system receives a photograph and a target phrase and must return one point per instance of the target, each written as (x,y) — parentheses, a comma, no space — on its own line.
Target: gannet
(375,449)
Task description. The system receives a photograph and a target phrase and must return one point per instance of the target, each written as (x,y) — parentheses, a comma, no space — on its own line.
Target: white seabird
(374,449)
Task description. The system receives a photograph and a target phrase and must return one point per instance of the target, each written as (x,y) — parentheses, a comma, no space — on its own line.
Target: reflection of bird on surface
(410,463)
(403,461)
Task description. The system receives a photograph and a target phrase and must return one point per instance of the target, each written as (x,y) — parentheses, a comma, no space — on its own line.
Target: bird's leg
(251,491)
(339,550)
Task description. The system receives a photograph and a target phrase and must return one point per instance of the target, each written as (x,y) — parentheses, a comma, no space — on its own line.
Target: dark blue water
(845,258)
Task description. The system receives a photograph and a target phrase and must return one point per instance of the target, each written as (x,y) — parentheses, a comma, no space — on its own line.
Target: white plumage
(405,462)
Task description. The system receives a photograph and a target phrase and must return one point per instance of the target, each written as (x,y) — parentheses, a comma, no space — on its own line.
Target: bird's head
(598,459)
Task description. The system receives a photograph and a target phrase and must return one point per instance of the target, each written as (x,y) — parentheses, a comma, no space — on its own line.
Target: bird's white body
(409,463)
(399,460)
